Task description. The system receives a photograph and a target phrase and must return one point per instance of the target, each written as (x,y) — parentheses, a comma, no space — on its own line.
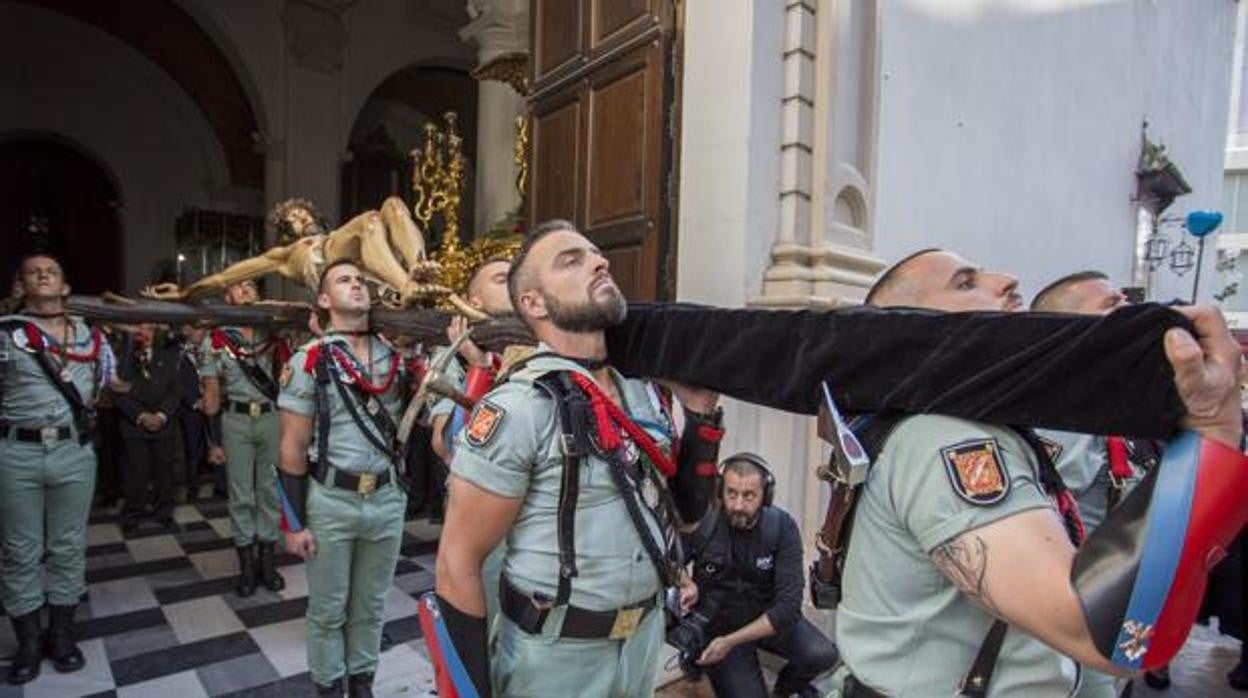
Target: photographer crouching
(747,562)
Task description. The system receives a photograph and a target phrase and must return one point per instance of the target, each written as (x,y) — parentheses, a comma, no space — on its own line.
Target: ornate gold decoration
(511,68)
(520,155)
(438,179)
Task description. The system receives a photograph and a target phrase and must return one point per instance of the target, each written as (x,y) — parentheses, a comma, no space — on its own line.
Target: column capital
(498,28)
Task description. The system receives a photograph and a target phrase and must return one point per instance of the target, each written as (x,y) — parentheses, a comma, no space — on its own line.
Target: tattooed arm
(1018,569)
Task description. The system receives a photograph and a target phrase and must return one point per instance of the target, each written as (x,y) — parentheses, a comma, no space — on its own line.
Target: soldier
(957,527)
(571,463)
(1097,469)
(486,291)
(51,368)
(238,375)
(340,401)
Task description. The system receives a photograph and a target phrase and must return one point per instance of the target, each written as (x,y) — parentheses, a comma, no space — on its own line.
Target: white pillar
(499,28)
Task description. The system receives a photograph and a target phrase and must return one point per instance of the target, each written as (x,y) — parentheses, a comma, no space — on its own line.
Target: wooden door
(603,112)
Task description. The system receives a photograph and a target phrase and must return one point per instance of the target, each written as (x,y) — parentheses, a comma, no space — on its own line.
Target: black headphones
(769,480)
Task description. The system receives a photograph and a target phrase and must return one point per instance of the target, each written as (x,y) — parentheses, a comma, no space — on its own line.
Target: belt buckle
(253,410)
(626,622)
(49,435)
(367,483)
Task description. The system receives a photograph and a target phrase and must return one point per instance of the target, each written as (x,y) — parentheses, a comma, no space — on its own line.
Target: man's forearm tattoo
(964,561)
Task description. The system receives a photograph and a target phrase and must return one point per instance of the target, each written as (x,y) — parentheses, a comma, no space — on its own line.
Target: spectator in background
(192,421)
(147,413)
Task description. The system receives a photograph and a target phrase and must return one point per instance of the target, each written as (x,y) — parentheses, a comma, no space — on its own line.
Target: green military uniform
(358,533)
(249,435)
(511,447)
(493,566)
(902,627)
(45,487)
(1083,462)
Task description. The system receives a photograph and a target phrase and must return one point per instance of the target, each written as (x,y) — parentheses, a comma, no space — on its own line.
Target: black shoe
(266,572)
(360,686)
(167,523)
(246,584)
(25,666)
(333,689)
(1238,677)
(1159,678)
(59,646)
(129,526)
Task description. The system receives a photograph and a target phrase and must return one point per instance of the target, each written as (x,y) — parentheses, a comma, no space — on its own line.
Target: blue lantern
(1201,223)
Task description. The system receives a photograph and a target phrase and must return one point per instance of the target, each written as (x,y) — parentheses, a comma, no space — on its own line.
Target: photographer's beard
(743,521)
(592,315)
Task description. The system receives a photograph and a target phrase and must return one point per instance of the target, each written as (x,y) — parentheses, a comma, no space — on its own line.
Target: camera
(690,637)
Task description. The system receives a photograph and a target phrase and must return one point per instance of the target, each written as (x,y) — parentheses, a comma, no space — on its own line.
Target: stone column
(500,31)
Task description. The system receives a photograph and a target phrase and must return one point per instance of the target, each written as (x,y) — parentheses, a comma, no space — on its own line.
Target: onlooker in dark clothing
(192,422)
(747,557)
(148,409)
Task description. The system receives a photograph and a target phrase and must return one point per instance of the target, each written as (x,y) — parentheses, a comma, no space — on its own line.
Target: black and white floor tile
(162,619)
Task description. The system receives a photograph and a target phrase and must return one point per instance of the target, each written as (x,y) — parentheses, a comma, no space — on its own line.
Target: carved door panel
(604,144)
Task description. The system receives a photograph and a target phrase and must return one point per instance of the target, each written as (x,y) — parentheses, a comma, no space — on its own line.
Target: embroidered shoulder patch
(484,423)
(976,472)
(1051,447)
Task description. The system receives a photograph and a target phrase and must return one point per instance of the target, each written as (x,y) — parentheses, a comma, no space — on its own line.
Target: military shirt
(28,399)
(511,447)
(219,363)
(349,449)
(902,627)
(1083,462)
(456,374)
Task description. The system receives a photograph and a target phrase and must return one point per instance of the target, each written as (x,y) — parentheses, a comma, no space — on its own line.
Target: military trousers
(251,445)
(45,499)
(357,546)
(546,665)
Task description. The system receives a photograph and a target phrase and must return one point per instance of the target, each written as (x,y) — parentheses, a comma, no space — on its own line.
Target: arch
(61,199)
(850,208)
(392,119)
(173,40)
(246,68)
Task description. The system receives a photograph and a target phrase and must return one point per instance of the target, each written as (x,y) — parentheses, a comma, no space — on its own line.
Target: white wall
(123,109)
(1010,130)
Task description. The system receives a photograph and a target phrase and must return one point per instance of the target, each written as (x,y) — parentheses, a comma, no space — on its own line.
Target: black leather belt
(853,688)
(361,483)
(46,435)
(251,409)
(530,614)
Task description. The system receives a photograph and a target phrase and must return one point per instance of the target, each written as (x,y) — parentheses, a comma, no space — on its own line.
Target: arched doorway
(391,123)
(56,199)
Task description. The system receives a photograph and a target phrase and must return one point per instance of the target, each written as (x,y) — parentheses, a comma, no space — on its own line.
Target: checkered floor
(162,619)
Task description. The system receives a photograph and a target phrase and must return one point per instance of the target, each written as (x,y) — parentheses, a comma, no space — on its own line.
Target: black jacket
(153,388)
(743,574)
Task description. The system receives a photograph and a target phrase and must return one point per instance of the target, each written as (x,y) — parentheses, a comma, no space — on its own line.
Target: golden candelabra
(438,179)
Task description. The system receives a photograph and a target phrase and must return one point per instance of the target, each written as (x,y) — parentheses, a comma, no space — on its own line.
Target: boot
(246,584)
(360,686)
(333,689)
(59,646)
(25,666)
(1158,678)
(267,573)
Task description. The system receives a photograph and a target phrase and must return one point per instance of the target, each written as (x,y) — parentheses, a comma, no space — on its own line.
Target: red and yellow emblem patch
(485,420)
(976,471)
